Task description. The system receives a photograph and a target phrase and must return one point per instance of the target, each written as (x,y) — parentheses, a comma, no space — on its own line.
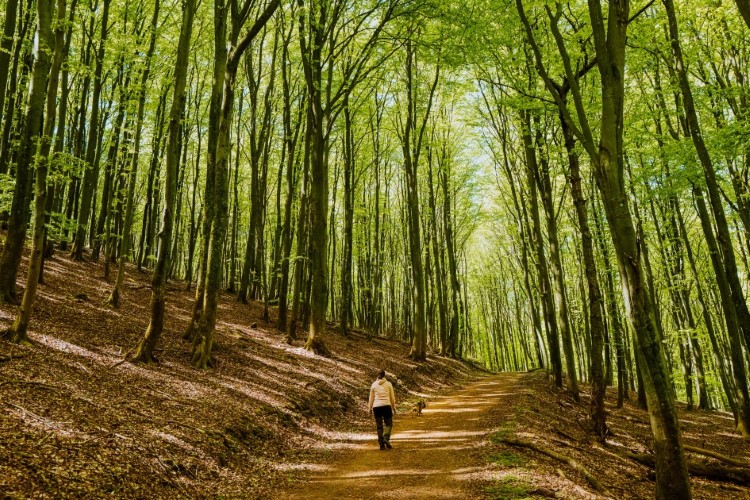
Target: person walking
(383,406)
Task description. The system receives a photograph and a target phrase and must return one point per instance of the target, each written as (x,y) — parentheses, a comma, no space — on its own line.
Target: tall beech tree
(91,172)
(722,227)
(35,149)
(608,165)
(145,350)
(10,259)
(203,340)
(124,250)
(412,134)
(320,43)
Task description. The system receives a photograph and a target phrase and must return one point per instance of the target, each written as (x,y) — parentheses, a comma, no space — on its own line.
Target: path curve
(432,456)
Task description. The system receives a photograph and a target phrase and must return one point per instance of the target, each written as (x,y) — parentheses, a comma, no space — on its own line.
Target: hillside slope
(273,420)
(75,421)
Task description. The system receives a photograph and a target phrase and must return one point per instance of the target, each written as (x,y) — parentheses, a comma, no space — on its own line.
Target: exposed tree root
(735,475)
(201,357)
(16,335)
(123,360)
(318,347)
(142,355)
(558,456)
(114,298)
(717,456)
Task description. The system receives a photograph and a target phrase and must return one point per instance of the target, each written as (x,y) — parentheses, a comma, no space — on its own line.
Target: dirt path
(433,455)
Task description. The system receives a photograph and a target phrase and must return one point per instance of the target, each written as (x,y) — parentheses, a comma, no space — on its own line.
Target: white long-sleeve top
(381,394)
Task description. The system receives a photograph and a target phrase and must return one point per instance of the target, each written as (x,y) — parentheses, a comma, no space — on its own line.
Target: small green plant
(508,488)
(503,432)
(507,459)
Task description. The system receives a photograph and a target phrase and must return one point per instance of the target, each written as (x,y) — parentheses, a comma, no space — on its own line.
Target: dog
(418,407)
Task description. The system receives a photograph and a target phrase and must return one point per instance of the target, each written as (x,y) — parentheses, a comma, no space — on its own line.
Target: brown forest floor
(273,421)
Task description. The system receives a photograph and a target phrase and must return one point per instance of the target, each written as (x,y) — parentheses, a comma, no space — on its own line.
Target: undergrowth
(508,488)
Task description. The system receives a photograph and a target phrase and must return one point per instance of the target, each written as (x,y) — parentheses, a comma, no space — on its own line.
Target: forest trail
(432,456)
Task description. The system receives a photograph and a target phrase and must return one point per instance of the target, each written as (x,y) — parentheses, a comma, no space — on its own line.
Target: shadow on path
(432,456)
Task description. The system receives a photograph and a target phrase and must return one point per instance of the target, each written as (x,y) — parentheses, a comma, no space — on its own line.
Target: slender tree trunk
(6,44)
(45,72)
(235,206)
(544,185)
(110,169)
(24,22)
(145,350)
(290,143)
(92,169)
(708,320)
(10,259)
(553,337)
(203,340)
(411,143)
(437,257)
(349,188)
(114,297)
(450,250)
(742,392)
(597,410)
(220,60)
(152,202)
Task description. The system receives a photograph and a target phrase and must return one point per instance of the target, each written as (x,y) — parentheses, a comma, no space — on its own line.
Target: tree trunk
(411,145)
(203,340)
(349,188)
(44,73)
(456,323)
(19,212)
(24,22)
(145,350)
(744,8)
(597,410)
(671,467)
(110,169)
(6,44)
(742,393)
(542,178)
(290,143)
(92,169)
(537,243)
(114,297)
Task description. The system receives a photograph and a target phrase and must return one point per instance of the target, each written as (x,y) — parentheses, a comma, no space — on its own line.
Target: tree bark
(597,411)
(544,184)
(203,340)
(145,350)
(45,73)
(92,169)
(114,297)
(6,44)
(537,243)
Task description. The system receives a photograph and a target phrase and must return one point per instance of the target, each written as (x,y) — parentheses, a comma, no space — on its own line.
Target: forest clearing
(222,221)
(271,420)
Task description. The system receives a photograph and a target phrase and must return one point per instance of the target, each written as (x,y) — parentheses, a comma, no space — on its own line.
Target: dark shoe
(382,446)
(388,445)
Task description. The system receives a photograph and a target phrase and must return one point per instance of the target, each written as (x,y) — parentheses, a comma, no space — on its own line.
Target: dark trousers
(383,414)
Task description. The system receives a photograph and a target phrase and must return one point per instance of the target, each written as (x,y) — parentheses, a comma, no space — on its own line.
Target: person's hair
(381,374)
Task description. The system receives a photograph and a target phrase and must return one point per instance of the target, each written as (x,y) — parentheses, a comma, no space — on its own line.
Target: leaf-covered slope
(77,421)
